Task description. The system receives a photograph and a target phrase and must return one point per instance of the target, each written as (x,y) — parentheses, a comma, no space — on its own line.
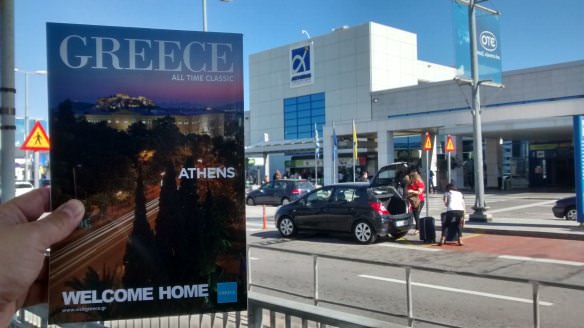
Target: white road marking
(457,290)
(254,258)
(535,259)
(512,208)
(417,248)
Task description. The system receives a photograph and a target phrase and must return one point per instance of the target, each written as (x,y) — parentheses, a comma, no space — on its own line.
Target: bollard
(264,218)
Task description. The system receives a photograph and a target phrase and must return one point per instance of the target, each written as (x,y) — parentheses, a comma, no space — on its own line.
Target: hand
(23,242)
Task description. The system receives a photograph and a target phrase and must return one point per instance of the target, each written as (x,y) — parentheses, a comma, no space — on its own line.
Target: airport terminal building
(370,75)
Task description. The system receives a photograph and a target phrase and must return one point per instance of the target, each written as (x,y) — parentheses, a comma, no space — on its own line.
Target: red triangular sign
(37,139)
(449,144)
(428,142)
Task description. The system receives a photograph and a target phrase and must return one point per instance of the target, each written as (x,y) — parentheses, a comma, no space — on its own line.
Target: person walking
(454,219)
(415,194)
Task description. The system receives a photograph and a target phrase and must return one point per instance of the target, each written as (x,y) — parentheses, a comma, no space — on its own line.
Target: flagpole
(335,175)
(316,155)
(354,149)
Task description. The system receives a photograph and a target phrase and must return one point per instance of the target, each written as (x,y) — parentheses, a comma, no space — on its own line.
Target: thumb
(60,223)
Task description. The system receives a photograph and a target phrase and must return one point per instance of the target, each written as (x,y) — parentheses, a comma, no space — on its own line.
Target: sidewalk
(559,229)
(543,226)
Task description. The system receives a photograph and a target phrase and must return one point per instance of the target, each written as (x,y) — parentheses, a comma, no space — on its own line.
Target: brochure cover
(147,130)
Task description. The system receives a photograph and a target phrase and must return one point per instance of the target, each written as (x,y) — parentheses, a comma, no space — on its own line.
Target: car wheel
(250,201)
(285,201)
(287,227)
(363,233)
(571,214)
(399,235)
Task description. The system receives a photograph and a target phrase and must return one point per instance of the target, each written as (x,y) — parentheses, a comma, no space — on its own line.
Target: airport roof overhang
(280,146)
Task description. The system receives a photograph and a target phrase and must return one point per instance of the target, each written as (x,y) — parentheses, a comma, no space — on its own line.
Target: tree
(140,260)
(167,224)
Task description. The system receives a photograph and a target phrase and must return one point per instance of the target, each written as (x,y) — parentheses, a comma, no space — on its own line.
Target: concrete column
(492,161)
(266,166)
(457,174)
(385,149)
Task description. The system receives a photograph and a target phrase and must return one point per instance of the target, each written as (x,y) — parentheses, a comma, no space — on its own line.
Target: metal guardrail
(314,312)
(535,284)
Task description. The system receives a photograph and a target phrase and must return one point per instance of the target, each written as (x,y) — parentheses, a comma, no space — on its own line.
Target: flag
(355,143)
(317,149)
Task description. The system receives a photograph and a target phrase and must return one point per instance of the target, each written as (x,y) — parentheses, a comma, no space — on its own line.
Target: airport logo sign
(301,65)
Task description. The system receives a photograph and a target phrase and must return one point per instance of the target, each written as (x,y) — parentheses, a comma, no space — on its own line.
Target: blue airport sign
(579,165)
(301,65)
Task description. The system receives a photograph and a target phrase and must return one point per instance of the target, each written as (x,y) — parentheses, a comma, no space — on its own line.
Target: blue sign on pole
(488,44)
(579,165)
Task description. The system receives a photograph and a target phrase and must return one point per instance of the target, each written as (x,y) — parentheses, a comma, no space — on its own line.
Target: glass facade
(301,114)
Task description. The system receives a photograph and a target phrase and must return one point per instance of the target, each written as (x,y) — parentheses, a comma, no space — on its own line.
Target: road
(448,299)
(102,249)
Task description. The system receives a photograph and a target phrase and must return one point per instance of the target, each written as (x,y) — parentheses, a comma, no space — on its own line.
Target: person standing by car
(364,177)
(454,220)
(415,193)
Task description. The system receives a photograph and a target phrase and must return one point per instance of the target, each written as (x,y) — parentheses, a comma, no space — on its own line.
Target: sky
(533,32)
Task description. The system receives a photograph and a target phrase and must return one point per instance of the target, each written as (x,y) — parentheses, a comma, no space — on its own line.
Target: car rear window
(305,185)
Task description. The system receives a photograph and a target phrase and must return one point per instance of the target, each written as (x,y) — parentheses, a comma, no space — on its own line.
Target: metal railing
(535,284)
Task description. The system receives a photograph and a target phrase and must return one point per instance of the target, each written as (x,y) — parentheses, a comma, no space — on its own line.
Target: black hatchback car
(347,207)
(279,192)
(566,208)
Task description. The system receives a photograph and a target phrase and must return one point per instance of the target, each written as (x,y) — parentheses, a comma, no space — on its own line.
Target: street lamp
(205,13)
(26,74)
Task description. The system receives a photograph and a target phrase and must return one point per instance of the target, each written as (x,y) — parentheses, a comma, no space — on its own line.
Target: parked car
(22,187)
(279,192)
(354,208)
(565,208)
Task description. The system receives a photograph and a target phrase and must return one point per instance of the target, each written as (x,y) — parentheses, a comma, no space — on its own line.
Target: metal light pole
(26,153)
(480,207)
(205,13)
(7,92)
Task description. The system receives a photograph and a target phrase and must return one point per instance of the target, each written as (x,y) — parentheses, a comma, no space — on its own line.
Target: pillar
(385,148)
(492,161)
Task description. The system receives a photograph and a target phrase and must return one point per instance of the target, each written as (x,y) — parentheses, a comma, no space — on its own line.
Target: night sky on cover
(168,89)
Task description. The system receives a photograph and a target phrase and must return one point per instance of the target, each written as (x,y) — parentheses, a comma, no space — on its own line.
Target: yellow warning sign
(449,144)
(428,142)
(37,139)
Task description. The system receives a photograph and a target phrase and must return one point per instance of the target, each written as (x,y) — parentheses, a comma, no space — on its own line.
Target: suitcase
(453,232)
(427,229)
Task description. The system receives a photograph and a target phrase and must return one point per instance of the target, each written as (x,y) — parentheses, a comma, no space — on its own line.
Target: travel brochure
(147,131)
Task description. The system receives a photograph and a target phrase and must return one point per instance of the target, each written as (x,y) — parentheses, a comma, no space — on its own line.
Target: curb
(525,233)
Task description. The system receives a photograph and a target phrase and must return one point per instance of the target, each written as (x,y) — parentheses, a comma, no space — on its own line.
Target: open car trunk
(387,185)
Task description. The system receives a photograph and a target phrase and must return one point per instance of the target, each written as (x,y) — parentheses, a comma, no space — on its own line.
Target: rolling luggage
(427,229)
(451,229)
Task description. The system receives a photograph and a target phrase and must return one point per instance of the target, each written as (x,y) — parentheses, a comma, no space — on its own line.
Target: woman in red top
(416,188)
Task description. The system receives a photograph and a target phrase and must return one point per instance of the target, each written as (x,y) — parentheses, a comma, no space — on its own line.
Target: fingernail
(73,208)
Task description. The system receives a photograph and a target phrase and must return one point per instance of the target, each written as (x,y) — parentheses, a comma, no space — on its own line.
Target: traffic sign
(428,142)
(37,140)
(449,144)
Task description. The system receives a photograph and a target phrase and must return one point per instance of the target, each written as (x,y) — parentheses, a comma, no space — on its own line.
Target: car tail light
(296,191)
(379,208)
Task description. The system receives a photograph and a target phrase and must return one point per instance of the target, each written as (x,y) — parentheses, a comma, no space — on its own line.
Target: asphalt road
(451,300)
